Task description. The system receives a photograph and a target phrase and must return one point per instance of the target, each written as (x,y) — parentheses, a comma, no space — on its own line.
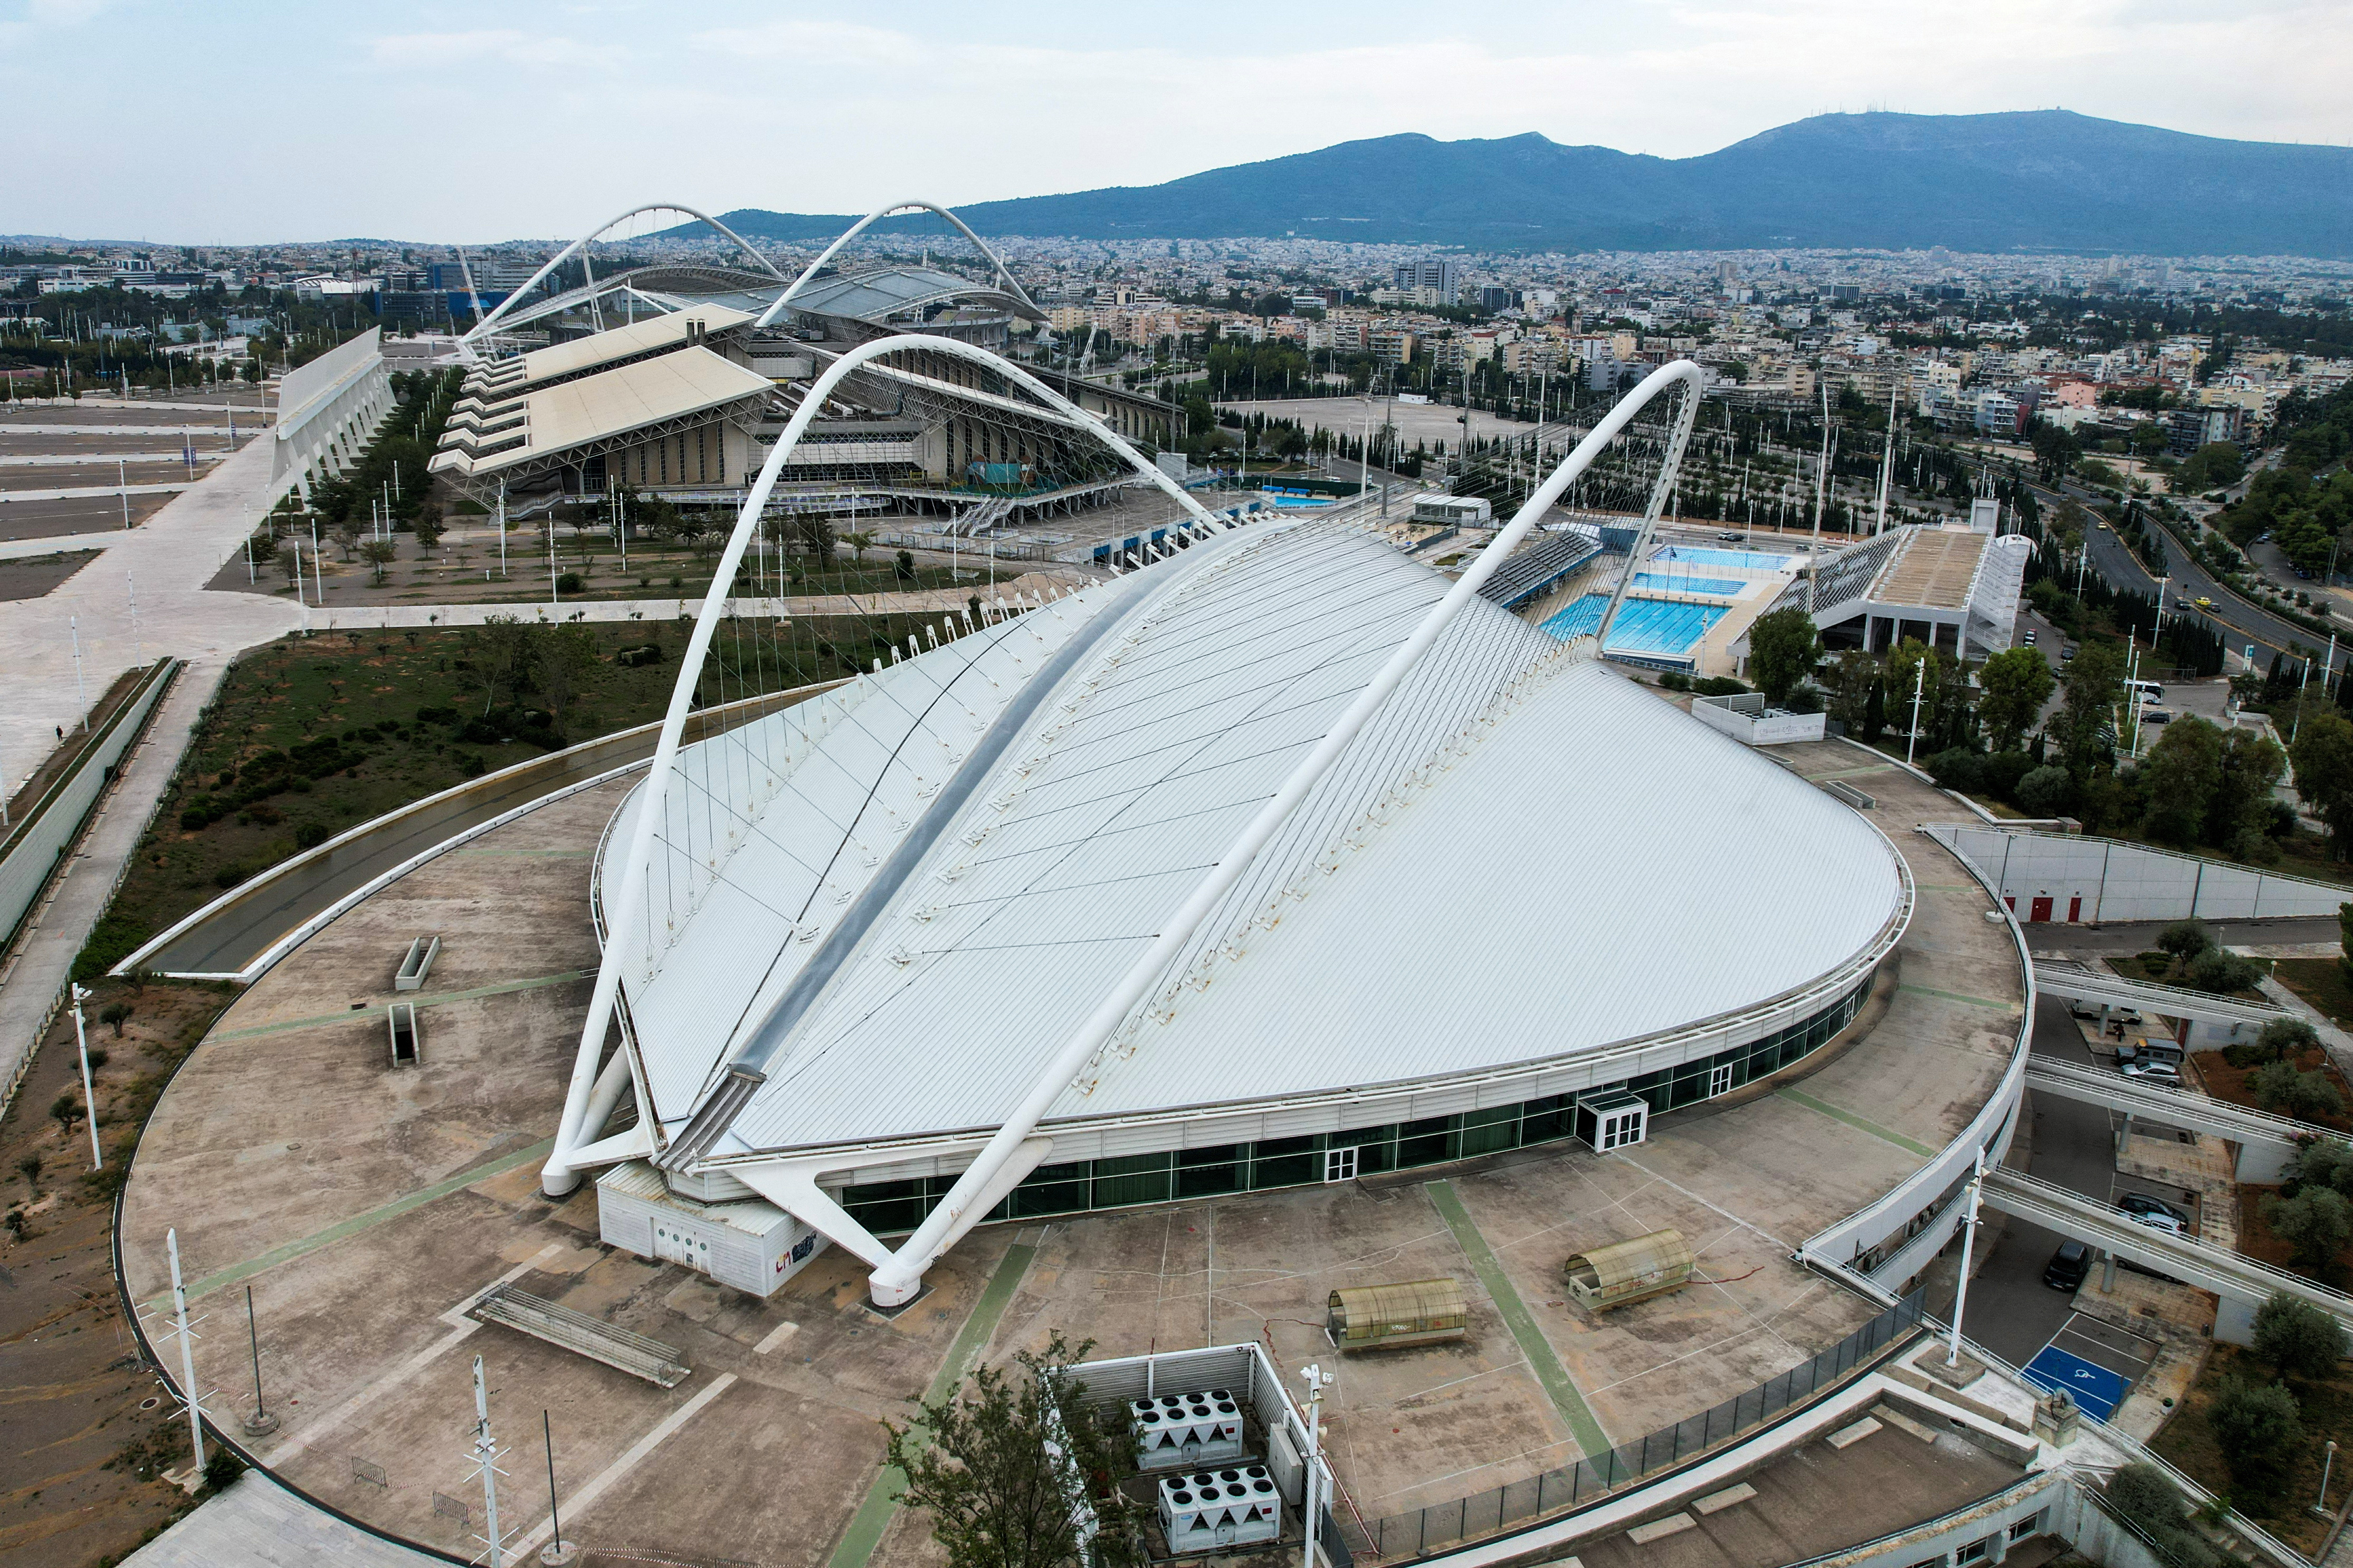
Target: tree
(562,663)
(2317,1222)
(65,1110)
(2181,774)
(859,543)
(2323,759)
(2087,718)
(2185,939)
(2210,467)
(116,1013)
(2016,683)
(1852,680)
(2259,1430)
(378,554)
(504,652)
(2146,1498)
(2054,450)
(2297,1337)
(290,561)
(426,526)
(904,565)
(2238,815)
(346,535)
(999,1478)
(2284,1088)
(2345,934)
(1782,648)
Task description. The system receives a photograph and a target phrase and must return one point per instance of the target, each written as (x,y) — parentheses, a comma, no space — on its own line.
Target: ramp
(560,1326)
(2100,987)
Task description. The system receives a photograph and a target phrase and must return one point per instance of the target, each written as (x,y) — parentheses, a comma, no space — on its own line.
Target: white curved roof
(1524,856)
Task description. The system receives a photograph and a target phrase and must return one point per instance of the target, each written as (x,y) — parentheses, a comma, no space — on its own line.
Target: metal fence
(1590,1479)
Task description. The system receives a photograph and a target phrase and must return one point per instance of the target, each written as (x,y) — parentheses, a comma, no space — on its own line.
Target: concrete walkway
(943,600)
(257,1523)
(92,460)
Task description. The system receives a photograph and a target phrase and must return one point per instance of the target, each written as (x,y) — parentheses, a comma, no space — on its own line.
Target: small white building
(749,1243)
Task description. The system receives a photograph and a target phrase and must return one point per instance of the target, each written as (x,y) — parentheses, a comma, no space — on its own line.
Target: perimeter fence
(1588,1481)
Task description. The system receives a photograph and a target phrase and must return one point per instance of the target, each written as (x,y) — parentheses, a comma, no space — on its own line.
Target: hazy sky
(248,120)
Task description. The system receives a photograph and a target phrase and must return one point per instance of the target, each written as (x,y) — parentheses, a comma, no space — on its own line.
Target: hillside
(2044,180)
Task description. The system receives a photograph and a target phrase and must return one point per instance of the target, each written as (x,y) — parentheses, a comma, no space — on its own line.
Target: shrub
(2259,1429)
(2298,1336)
(1955,769)
(2219,972)
(1719,686)
(570,583)
(2044,792)
(1674,681)
(2281,1038)
(310,835)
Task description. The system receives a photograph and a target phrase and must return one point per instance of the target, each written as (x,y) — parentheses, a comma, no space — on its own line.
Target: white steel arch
(899,1276)
(588,1099)
(1003,275)
(577,246)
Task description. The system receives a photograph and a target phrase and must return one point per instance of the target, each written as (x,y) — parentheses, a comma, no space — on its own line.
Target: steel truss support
(560,1174)
(1003,275)
(482,327)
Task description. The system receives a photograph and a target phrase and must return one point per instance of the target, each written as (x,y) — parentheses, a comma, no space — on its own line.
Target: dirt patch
(2326,1410)
(31,578)
(79,1477)
(2224,1082)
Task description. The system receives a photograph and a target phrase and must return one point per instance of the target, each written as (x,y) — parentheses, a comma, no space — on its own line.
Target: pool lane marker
(1541,1358)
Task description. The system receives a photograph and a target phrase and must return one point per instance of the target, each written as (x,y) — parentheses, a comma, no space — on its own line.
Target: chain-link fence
(1587,1481)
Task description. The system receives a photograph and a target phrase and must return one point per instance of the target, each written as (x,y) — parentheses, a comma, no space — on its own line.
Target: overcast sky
(228,121)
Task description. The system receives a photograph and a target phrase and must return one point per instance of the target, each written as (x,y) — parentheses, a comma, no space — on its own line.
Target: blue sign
(2095,1388)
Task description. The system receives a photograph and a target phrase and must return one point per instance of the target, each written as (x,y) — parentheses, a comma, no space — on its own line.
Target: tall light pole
(1317,1380)
(1919,686)
(88,1097)
(1969,1243)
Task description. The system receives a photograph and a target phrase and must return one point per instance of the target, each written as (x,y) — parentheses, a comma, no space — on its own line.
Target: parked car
(1729,538)
(2162,1073)
(2068,1266)
(2148,1210)
(2156,716)
(2030,636)
(2204,602)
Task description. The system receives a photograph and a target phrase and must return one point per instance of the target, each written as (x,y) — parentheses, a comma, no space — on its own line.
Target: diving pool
(1644,626)
(1676,582)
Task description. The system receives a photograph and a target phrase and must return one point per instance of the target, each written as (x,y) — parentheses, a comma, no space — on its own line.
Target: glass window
(1286,1161)
(886,1207)
(1425,1143)
(1132,1179)
(1051,1189)
(2026,1527)
(1485,1132)
(1541,1120)
(1204,1172)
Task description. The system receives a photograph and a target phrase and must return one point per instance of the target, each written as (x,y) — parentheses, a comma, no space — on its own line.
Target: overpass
(2266,1142)
(2104,989)
(2242,1283)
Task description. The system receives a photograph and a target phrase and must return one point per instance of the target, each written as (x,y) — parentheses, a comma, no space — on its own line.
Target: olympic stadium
(1154,949)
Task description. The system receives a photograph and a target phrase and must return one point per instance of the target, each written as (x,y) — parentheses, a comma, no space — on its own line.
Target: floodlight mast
(588,1099)
(897,1281)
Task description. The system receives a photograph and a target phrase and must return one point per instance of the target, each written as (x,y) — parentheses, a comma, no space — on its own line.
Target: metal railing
(1591,1481)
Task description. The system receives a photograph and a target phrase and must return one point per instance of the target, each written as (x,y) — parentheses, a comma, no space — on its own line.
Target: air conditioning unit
(1186,1430)
(1209,1510)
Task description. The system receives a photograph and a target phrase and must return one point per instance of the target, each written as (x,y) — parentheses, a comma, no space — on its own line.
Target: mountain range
(2041,180)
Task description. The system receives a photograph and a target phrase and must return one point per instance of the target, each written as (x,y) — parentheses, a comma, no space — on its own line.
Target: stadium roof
(529,428)
(897,900)
(650,334)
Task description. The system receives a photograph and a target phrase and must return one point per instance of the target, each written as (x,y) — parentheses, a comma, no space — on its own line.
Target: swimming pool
(1676,582)
(1748,560)
(1644,626)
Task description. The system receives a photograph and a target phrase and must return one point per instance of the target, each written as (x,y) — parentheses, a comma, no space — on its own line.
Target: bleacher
(1537,568)
(1848,575)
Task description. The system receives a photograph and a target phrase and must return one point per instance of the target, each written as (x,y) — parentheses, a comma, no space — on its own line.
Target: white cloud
(493,46)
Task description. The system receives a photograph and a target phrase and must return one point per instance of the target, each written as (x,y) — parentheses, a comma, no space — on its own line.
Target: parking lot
(2097,1362)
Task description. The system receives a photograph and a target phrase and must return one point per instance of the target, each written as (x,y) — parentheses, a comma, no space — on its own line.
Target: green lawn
(310,736)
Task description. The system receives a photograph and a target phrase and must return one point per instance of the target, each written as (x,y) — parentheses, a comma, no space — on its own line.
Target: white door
(673,1243)
(1340,1164)
(1719,1079)
(1621,1129)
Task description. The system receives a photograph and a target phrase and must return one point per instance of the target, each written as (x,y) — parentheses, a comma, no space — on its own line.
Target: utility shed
(1606,1277)
(1378,1317)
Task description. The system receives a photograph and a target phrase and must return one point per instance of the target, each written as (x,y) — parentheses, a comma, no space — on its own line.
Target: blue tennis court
(2095,1388)
(1678,583)
(1750,559)
(1643,626)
